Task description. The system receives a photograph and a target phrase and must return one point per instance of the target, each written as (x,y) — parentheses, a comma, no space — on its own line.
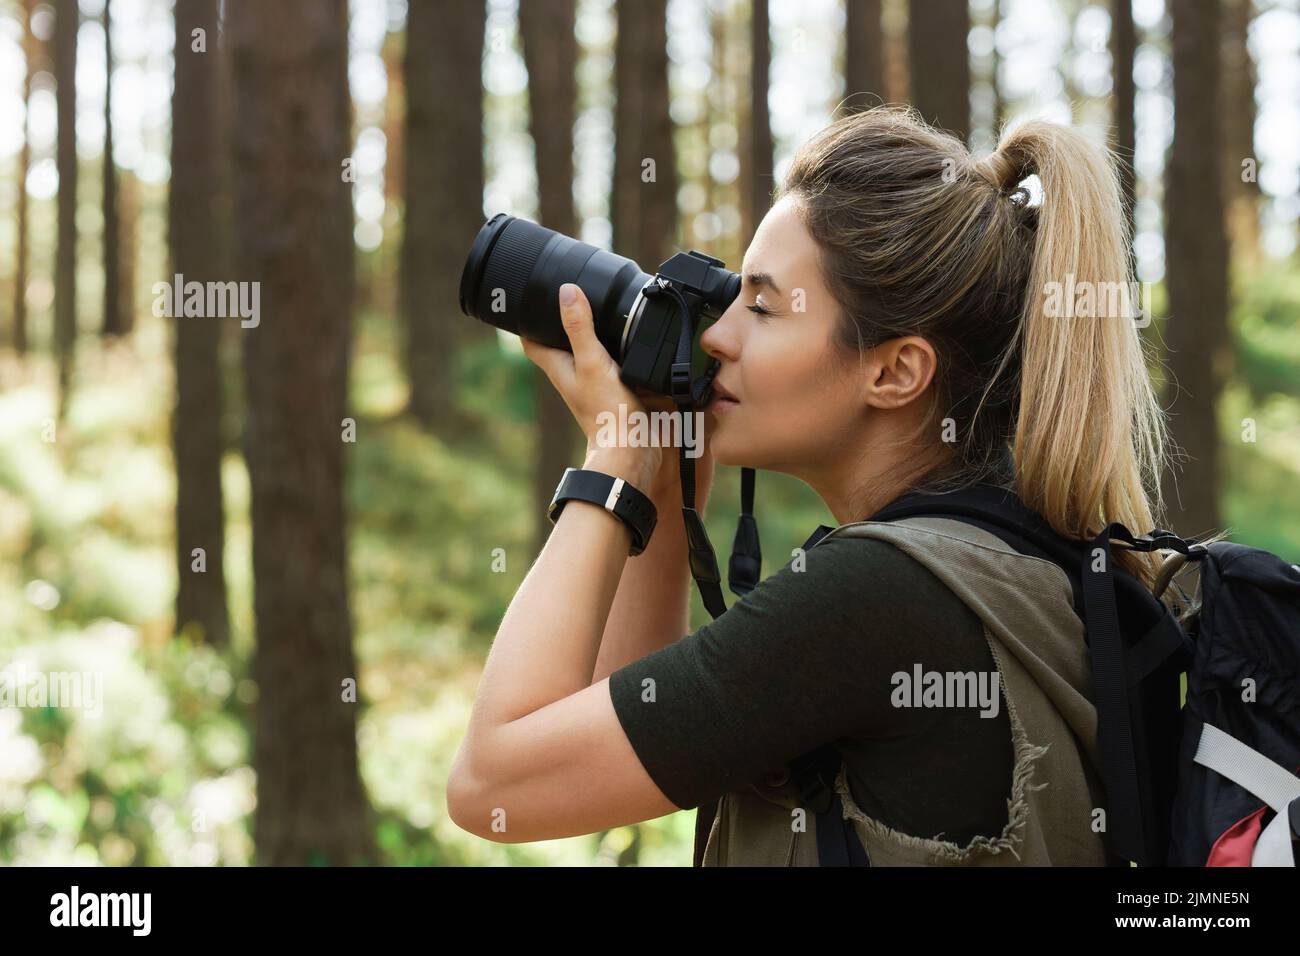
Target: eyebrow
(762,278)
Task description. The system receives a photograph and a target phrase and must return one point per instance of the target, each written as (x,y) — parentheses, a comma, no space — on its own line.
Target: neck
(859,484)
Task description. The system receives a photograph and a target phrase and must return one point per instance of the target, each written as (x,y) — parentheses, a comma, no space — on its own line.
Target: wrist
(614,493)
(635,468)
(667,483)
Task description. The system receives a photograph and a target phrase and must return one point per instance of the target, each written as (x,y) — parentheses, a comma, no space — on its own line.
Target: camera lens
(513,275)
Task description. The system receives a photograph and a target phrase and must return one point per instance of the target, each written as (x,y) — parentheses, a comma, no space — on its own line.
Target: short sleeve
(804,659)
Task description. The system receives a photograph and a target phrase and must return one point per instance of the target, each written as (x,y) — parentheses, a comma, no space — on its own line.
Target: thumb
(575,315)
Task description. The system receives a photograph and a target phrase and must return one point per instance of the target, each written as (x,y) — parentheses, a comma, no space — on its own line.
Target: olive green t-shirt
(808,658)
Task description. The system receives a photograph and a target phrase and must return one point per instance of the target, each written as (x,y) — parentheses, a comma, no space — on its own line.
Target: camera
(649,324)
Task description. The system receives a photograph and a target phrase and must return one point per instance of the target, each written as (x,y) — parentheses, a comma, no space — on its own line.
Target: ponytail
(1090,435)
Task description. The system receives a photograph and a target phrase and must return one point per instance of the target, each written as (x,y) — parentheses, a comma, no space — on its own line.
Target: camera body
(512,279)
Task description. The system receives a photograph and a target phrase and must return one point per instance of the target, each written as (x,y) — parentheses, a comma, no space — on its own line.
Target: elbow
(466,804)
(462,800)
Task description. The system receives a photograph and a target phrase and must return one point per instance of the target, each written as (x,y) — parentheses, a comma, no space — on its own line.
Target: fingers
(557,366)
(654,401)
(534,351)
(575,315)
(543,356)
(586,359)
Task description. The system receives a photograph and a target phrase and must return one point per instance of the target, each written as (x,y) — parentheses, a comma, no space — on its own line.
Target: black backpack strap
(1110,685)
(837,840)
(704,817)
(1116,671)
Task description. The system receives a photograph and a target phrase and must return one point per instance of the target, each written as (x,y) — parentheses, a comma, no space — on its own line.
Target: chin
(729,449)
(718,447)
(724,454)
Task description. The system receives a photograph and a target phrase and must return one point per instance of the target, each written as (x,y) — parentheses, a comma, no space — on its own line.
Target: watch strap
(615,495)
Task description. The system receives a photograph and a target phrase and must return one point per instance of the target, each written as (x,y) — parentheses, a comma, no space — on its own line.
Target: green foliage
(495,384)
(1266,333)
(159,776)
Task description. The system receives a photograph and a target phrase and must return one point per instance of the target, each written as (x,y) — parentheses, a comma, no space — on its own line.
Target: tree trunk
(1123,49)
(128,197)
(756,146)
(115,320)
(1069,9)
(1196,274)
(21,266)
(232,334)
(864,51)
(999,102)
(395,117)
(444,195)
(894,19)
(643,199)
(550,54)
(1240,180)
(389,254)
(939,61)
(194,229)
(292,134)
(719,109)
(66,22)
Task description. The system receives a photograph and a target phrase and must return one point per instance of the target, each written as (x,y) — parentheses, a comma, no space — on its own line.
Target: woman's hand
(588,381)
(666,486)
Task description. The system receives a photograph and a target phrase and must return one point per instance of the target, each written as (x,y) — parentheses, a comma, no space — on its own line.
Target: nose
(721,340)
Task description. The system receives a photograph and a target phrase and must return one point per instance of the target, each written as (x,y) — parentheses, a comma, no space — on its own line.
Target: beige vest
(1038,646)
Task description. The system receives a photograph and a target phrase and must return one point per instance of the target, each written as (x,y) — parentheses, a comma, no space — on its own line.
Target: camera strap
(746,555)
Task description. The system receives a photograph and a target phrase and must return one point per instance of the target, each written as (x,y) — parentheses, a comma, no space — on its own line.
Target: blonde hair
(917,237)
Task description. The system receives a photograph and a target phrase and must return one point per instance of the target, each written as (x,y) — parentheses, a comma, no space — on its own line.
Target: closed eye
(759,310)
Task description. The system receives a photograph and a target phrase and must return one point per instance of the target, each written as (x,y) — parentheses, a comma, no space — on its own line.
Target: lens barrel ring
(512,260)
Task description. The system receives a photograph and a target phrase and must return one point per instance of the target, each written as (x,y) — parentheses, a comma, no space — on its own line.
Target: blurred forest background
(230,523)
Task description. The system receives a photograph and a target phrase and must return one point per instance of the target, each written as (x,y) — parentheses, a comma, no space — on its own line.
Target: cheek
(785,369)
(796,399)
(806,425)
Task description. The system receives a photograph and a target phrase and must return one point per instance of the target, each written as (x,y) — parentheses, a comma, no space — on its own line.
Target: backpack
(1209,782)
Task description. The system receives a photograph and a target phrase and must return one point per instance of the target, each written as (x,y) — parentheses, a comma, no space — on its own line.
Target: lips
(720,392)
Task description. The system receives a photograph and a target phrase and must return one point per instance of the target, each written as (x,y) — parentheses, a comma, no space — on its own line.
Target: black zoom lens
(513,276)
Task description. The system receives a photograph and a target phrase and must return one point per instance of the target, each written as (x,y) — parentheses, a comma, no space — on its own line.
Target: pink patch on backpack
(1235,846)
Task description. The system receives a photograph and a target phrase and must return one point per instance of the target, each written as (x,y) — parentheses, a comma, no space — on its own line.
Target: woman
(893,333)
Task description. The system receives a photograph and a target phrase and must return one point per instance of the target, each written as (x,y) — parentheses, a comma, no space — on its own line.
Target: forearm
(546,646)
(652,605)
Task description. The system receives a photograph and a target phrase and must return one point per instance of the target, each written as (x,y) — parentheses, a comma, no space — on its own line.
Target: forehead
(781,246)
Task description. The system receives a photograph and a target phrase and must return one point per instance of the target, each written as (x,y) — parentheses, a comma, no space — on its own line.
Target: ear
(900,370)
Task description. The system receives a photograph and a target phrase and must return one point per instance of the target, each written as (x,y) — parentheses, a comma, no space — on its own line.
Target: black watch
(615,495)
